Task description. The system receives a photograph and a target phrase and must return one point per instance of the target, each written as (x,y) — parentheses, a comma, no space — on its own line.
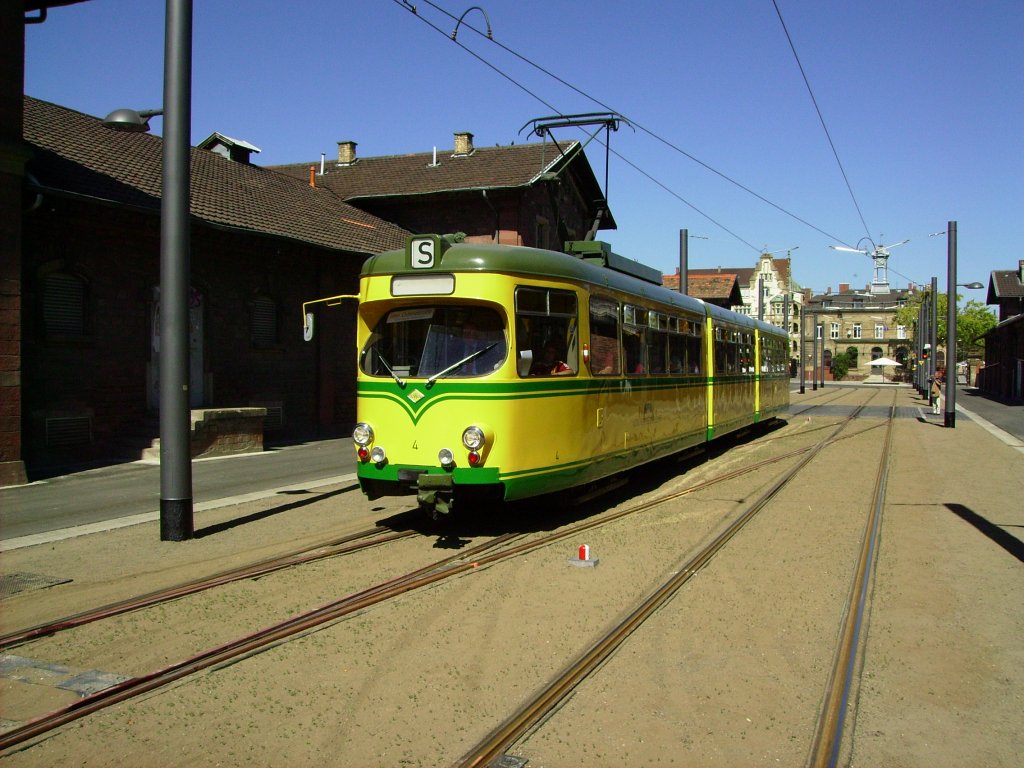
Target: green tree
(974,319)
(840,366)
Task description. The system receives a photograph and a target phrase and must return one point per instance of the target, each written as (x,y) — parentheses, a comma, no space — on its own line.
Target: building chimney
(346,152)
(828,292)
(844,287)
(463,144)
(1020,266)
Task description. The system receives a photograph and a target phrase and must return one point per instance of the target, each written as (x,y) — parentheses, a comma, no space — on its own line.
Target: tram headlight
(446,458)
(377,455)
(473,438)
(362,434)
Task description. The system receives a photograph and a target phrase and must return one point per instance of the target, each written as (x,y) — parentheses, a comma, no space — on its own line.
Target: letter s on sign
(423,253)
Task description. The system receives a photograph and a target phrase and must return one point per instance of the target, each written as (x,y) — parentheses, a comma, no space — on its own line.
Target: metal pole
(814,352)
(175,424)
(951,327)
(933,328)
(822,345)
(926,334)
(760,298)
(803,370)
(684,259)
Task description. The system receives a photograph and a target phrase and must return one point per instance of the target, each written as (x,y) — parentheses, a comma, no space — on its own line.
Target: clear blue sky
(923,99)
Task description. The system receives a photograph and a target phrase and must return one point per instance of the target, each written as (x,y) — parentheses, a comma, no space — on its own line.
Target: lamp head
(130,121)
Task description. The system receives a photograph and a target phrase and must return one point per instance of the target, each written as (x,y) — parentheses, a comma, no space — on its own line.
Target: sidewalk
(126,494)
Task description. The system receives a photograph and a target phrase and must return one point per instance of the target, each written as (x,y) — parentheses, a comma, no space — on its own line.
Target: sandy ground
(731,672)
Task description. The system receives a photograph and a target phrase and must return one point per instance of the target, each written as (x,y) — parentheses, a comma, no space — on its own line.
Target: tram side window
(746,345)
(677,362)
(657,343)
(547,337)
(604,337)
(727,352)
(634,332)
(693,348)
(684,348)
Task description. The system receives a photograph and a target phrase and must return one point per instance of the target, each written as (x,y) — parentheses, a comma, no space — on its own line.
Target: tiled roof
(743,275)
(715,287)
(1005,284)
(518,165)
(76,154)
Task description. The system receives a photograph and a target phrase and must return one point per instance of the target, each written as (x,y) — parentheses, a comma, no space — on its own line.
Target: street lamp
(974,286)
(130,121)
(176,518)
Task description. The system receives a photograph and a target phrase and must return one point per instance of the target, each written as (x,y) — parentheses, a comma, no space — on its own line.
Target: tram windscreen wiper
(395,376)
(462,362)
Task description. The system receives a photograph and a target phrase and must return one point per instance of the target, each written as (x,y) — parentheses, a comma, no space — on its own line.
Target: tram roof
(535,262)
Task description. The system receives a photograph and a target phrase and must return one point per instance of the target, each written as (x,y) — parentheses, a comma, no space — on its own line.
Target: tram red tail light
(363,454)
(474,458)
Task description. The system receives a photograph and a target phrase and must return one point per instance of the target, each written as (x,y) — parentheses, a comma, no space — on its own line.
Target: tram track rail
(466,560)
(348,544)
(829,731)
(827,742)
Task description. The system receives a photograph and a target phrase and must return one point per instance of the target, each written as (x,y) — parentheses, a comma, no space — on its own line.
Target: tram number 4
(423,253)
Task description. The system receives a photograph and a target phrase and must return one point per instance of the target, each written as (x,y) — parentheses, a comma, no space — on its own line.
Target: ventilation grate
(68,430)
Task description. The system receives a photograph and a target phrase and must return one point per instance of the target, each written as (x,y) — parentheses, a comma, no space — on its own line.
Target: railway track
(354,542)
(827,740)
(488,553)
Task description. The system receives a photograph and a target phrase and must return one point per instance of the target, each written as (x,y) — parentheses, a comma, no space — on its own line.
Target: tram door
(195,351)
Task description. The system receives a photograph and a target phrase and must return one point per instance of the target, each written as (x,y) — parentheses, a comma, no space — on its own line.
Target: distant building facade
(861,324)
(763,292)
(1003,374)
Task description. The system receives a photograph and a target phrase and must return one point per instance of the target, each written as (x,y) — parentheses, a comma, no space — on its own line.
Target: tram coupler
(434,494)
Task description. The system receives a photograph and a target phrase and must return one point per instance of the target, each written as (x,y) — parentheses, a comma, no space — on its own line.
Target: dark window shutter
(64,305)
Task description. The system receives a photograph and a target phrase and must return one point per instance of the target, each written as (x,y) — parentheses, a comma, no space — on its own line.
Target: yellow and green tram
(492,372)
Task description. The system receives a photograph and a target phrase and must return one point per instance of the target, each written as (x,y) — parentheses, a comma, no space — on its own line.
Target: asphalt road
(123,491)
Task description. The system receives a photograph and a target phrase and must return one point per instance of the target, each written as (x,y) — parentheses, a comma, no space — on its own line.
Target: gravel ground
(730,672)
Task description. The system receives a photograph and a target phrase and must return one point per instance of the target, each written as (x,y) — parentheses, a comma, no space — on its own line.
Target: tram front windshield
(435,341)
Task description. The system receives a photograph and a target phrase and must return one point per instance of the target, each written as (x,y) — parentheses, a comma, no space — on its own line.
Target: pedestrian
(936,394)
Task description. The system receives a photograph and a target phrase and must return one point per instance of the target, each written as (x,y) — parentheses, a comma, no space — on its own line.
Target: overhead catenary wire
(821,118)
(638,126)
(550,106)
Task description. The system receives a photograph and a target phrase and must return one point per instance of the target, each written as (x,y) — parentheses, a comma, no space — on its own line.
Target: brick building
(1003,374)
(774,278)
(261,244)
(721,289)
(538,194)
(79,265)
(864,321)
